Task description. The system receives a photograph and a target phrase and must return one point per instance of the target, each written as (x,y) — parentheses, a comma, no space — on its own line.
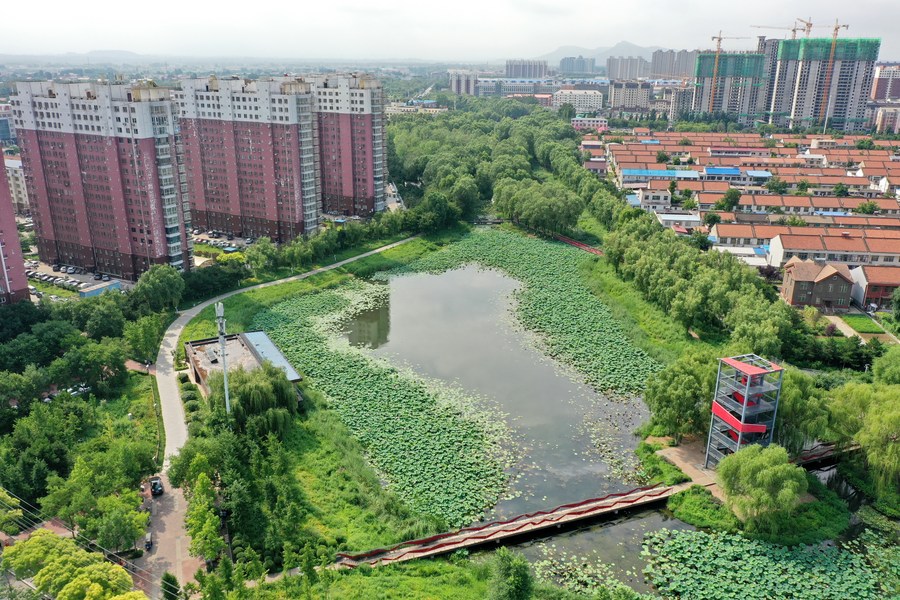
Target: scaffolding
(850,49)
(731,64)
(744,407)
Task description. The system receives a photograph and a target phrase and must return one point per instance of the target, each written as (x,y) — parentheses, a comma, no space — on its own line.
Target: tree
(261,256)
(119,524)
(662,157)
(865,144)
(760,483)
(841,191)
(680,396)
(160,288)
(710,219)
(511,578)
(777,185)
(106,320)
(802,412)
(202,520)
(170,587)
(802,187)
(729,201)
(685,141)
(10,514)
(867,208)
(895,303)
(566,112)
(886,368)
(143,337)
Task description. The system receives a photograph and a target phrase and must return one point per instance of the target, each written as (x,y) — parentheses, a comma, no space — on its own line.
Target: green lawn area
(862,324)
(201,249)
(48,289)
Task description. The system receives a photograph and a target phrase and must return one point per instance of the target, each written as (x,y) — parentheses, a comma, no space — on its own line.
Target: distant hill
(601,53)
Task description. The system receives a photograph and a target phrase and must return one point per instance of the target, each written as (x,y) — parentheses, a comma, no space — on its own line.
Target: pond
(458,327)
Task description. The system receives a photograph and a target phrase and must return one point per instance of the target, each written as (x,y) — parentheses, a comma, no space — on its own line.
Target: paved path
(843,327)
(170,550)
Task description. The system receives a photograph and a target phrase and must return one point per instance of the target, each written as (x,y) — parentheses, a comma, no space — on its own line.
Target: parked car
(55,267)
(156,486)
(105,278)
(148,541)
(98,276)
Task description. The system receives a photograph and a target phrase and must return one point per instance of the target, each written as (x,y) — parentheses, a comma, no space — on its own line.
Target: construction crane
(715,77)
(793,29)
(826,92)
(807,25)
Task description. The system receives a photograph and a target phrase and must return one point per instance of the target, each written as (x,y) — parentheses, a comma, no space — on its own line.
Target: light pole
(220,319)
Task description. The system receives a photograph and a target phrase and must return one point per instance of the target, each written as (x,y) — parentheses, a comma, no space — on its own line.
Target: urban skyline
(527,29)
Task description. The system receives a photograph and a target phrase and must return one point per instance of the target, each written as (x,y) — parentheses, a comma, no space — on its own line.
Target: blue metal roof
(633,200)
(661,173)
(723,171)
(758,174)
(268,351)
(832,213)
(649,141)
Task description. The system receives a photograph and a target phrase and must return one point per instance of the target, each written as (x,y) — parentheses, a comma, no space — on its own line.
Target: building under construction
(821,82)
(744,407)
(730,82)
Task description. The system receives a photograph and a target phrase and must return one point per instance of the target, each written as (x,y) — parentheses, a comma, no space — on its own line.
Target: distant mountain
(601,53)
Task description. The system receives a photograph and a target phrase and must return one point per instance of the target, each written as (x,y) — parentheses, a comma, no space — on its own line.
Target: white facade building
(583,100)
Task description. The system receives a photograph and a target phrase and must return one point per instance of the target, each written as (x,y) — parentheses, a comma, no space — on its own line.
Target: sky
(459,30)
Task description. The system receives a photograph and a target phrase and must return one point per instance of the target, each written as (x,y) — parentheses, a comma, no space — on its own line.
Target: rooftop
(247,350)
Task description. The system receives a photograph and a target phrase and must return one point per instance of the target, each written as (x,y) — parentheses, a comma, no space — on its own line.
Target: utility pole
(220,319)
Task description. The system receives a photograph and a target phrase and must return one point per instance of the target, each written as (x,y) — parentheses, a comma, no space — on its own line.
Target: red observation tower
(744,407)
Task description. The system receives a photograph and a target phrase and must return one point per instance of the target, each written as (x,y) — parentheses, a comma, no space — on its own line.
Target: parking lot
(218,239)
(75,281)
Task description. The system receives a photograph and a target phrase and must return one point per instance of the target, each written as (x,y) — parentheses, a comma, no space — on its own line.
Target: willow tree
(262,400)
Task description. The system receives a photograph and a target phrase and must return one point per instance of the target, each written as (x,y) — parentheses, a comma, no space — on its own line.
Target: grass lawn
(862,324)
(48,289)
(201,249)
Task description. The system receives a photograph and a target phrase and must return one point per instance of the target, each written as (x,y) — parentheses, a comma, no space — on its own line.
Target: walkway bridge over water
(497,532)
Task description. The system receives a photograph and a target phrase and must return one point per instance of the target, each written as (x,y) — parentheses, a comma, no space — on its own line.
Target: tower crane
(807,25)
(715,77)
(793,29)
(826,92)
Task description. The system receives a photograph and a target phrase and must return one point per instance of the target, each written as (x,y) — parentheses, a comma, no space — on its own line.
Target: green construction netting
(744,64)
(820,49)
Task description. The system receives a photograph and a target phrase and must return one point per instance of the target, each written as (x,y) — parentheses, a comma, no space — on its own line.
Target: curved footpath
(170,540)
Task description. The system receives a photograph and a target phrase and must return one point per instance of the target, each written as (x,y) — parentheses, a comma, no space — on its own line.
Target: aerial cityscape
(405,304)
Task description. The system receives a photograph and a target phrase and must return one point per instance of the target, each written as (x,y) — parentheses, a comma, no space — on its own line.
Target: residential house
(825,286)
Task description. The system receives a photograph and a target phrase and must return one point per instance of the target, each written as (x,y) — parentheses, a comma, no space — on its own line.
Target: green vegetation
(694,564)
(436,460)
(697,506)
(64,571)
(655,469)
(760,483)
(862,324)
(575,328)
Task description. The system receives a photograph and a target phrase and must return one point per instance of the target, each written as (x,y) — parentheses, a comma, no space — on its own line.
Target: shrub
(655,469)
(698,507)
(183,378)
(192,406)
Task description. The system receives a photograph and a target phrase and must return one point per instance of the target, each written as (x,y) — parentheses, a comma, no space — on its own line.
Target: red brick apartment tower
(251,155)
(351,143)
(102,174)
(13,284)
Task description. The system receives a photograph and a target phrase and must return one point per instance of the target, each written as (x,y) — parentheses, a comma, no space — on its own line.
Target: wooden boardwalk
(497,531)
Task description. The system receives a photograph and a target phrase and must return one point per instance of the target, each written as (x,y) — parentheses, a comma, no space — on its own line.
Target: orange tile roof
(882,275)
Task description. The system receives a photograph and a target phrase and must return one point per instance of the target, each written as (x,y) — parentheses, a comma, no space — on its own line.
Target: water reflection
(457,327)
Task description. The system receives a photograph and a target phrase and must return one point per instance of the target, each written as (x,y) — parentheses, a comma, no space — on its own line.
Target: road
(170,551)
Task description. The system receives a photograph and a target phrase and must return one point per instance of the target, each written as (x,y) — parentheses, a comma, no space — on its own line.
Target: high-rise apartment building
(352,143)
(251,156)
(671,64)
(13,284)
(463,83)
(807,93)
(731,82)
(576,64)
(15,175)
(103,178)
(887,82)
(630,94)
(265,158)
(526,69)
(632,67)
(769,49)
(887,119)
